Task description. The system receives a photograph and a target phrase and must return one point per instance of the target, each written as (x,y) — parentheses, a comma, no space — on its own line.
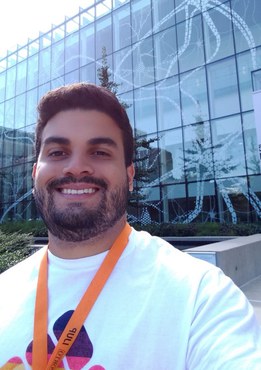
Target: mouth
(78,191)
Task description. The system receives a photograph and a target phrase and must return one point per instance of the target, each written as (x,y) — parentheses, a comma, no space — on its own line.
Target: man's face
(81,183)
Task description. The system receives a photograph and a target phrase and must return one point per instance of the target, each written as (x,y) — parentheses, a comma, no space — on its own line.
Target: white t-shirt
(160,309)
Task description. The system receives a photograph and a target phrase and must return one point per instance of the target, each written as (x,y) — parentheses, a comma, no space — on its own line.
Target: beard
(76,222)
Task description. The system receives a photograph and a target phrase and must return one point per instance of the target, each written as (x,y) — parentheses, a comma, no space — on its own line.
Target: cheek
(43,174)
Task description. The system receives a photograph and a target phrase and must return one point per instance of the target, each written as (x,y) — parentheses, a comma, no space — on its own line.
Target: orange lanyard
(76,321)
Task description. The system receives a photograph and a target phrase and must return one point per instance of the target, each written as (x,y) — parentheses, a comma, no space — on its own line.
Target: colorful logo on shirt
(78,356)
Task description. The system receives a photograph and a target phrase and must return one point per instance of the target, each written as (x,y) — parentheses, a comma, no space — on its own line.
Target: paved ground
(252,290)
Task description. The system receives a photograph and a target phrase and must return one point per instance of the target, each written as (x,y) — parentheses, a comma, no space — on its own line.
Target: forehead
(79,124)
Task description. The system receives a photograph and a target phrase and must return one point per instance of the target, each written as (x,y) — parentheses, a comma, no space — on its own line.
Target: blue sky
(23,19)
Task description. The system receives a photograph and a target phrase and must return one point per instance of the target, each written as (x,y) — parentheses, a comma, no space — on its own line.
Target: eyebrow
(93,141)
(102,140)
(56,140)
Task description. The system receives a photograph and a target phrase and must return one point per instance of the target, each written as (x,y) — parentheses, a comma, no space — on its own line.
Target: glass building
(189,71)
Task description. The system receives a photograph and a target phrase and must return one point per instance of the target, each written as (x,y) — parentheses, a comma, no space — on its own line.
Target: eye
(57,153)
(100,153)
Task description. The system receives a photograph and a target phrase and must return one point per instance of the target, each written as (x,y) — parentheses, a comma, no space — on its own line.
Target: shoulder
(164,255)
(27,270)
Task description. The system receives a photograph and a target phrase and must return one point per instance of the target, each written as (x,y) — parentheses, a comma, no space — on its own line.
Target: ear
(34,170)
(130,174)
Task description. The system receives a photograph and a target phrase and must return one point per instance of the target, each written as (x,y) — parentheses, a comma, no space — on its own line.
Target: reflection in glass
(31,102)
(198,152)
(72,52)
(223,89)
(168,104)
(141,19)
(57,68)
(21,77)
(20,111)
(194,99)
(245,67)
(87,45)
(145,114)
(190,44)
(121,28)
(103,36)
(10,83)
(250,137)
(166,53)
(163,15)
(123,70)
(143,63)
(218,35)
(32,76)
(44,65)
(87,73)
(2,86)
(228,147)
(171,156)
(246,19)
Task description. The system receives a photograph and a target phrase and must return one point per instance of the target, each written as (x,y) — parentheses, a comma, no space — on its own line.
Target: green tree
(143,161)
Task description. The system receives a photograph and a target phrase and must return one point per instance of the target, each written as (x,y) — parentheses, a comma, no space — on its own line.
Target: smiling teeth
(78,192)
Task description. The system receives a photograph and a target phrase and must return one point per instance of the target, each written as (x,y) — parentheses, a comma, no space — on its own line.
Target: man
(104,296)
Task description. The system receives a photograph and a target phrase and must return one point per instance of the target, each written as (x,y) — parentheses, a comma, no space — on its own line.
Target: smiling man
(102,295)
(81,181)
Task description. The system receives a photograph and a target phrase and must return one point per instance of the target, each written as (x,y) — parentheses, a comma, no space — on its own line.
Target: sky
(23,19)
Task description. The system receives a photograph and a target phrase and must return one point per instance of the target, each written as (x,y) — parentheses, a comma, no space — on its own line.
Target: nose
(78,165)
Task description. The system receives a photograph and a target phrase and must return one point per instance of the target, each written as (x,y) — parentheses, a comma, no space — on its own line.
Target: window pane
(165,54)
(143,63)
(72,77)
(123,70)
(9,113)
(72,52)
(190,44)
(2,86)
(121,28)
(251,144)
(87,73)
(163,14)
(87,44)
(245,67)
(32,76)
(141,19)
(185,11)
(173,202)
(247,25)
(168,104)
(10,82)
(57,59)
(218,35)
(145,114)
(103,36)
(21,77)
(201,204)
(171,156)
(44,65)
(198,152)
(229,159)
(2,107)
(194,98)
(222,85)
(31,102)
(20,111)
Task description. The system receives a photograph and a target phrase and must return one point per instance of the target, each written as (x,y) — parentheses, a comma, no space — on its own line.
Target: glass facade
(185,69)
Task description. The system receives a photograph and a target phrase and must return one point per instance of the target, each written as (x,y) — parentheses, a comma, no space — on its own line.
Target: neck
(86,248)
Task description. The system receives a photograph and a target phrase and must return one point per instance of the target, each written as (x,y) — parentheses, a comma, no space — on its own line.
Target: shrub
(14,248)
(34,227)
(201,229)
